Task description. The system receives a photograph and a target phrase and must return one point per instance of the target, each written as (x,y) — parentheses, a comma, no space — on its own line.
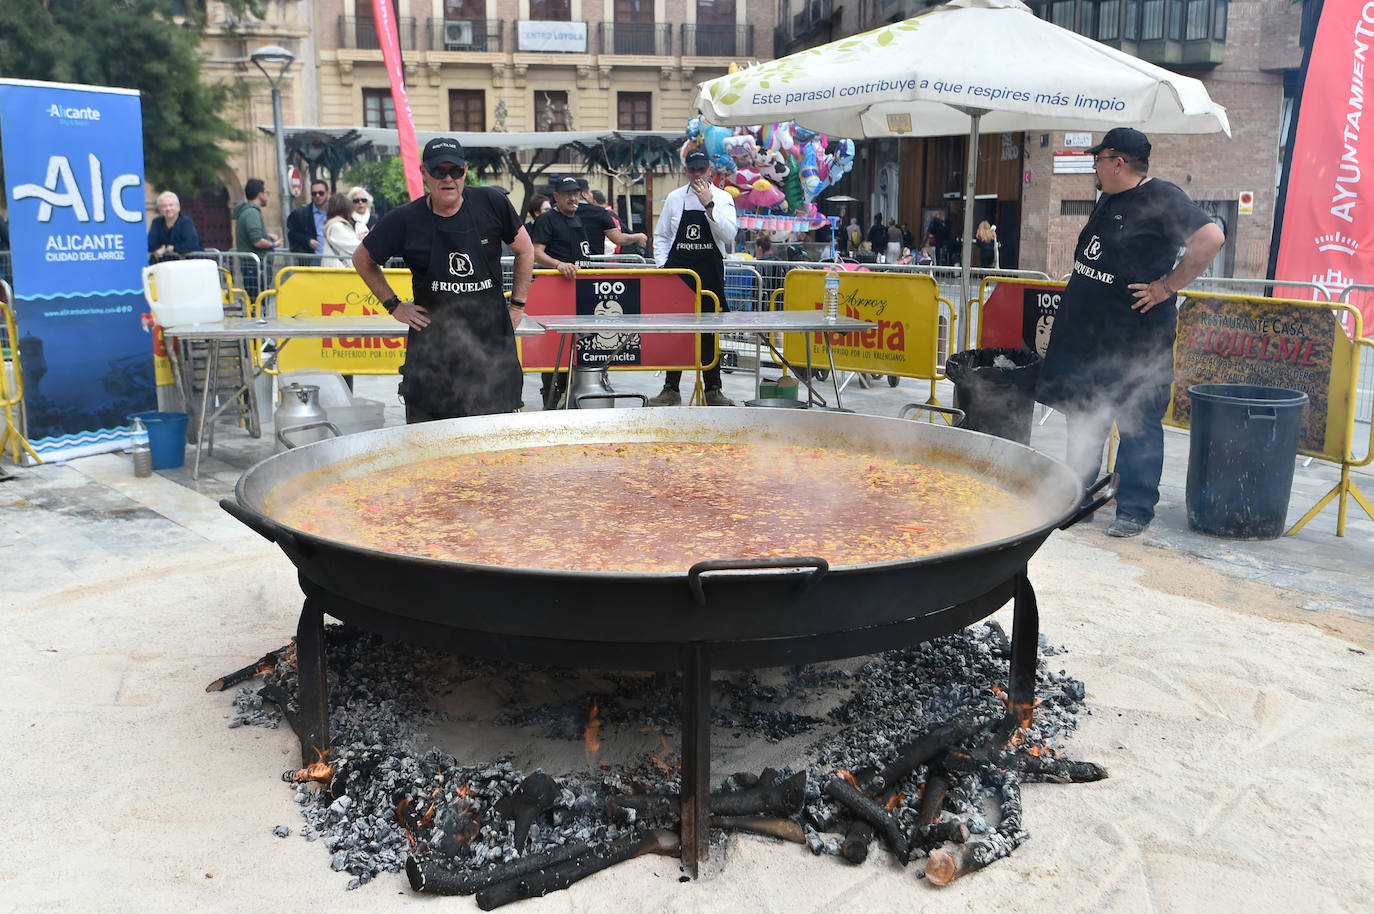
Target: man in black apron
(460,349)
(694,230)
(1110,357)
(560,243)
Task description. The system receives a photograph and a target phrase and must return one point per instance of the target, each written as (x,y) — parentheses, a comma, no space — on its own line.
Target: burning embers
(913,750)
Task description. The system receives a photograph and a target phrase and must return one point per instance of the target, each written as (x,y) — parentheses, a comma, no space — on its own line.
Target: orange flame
(667,757)
(315,771)
(1040,751)
(592,736)
(844,775)
(894,801)
(401,821)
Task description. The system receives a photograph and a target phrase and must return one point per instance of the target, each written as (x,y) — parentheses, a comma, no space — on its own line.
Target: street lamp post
(268,59)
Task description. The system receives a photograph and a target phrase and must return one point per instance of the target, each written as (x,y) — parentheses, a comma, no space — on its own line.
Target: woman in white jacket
(363,217)
(340,236)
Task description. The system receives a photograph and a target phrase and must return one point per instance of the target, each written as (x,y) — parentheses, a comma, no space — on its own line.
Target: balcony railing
(718,41)
(1187,32)
(646,38)
(466,34)
(360,32)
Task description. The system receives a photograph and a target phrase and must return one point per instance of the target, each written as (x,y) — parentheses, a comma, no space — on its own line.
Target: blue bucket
(166,438)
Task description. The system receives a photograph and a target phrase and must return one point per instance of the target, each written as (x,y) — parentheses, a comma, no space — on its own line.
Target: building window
(467,110)
(1219,21)
(378,108)
(1132,29)
(1152,20)
(555,10)
(551,111)
(633,111)
(1109,20)
(1061,13)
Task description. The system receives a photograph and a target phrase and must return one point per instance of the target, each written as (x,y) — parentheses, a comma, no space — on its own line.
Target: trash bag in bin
(996,390)
(1243,443)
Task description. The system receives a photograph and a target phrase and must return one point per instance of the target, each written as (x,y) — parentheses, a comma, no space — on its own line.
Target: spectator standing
(854,236)
(340,232)
(894,242)
(171,236)
(986,236)
(251,235)
(538,206)
(877,234)
(600,223)
(363,216)
(305,225)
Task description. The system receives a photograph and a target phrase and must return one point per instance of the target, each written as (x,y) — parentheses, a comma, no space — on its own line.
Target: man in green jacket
(250,233)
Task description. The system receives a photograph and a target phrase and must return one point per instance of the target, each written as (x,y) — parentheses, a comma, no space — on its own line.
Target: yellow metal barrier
(13,440)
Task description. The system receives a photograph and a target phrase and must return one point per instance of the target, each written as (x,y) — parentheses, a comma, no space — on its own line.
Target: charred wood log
(429,876)
(856,842)
(740,780)
(933,798)
(770,797)
(886,825)
(266,664)
(560,876)
(785,829)
(536,795)
(1036,767)
(947,864)
(953,830)
(273,692)
(917,753)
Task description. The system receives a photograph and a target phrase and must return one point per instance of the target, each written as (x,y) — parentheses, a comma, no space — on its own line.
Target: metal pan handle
(642,398)
(282,432)
(818,566)
(1091,504)
(912,408)
(257,523)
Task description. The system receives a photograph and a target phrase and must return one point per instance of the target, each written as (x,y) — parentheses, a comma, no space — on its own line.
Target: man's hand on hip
(412,315)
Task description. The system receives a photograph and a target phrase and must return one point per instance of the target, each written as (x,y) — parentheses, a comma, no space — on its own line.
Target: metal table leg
(696,756)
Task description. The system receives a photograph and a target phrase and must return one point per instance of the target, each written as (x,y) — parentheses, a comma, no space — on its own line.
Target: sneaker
(666,397)
(1125,525)
(715,397)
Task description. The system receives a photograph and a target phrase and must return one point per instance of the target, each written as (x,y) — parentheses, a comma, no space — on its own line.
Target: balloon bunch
(777,166)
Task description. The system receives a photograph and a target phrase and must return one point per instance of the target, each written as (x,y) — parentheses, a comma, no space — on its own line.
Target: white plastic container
(184,292)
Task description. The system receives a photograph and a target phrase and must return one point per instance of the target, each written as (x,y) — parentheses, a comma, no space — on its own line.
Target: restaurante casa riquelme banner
(74,179)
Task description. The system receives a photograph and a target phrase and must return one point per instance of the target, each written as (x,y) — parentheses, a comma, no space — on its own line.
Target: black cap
(1125,140)
(441,150)
(697,158)
(567,186)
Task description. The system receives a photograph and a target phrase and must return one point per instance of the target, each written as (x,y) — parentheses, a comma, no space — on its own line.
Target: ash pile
(915,750)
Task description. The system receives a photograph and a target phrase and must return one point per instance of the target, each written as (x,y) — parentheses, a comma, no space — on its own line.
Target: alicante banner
(73,160)
(1328,218)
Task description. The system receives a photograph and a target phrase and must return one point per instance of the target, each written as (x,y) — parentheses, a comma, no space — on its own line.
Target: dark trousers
(1140,457)
(710,377)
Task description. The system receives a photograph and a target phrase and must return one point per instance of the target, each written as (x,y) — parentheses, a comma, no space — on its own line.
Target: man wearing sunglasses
(460,352)
(1110,356)
(305,224)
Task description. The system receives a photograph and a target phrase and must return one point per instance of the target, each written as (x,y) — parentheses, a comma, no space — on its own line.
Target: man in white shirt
(694,232)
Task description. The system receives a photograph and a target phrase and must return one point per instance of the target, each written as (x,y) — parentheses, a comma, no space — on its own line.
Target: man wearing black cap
(600,223)
(560,243)
(694,231)
(460,352)
(1110,356)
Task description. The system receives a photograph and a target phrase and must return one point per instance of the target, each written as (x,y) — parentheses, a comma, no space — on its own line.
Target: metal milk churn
(300,415)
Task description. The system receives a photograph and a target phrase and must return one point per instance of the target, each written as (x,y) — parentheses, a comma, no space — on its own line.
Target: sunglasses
(359,200)
(449,171)
(319,193)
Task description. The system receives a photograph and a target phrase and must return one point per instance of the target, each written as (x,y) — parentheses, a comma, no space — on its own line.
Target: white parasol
(966,66)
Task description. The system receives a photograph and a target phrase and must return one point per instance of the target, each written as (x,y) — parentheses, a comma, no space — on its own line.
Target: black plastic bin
(998,401)
(1244,442)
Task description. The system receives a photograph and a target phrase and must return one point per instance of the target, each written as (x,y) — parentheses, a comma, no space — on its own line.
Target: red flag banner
(1327,236)
(405,121)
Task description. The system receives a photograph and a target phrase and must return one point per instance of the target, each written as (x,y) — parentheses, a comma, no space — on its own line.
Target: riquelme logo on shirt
(459,264)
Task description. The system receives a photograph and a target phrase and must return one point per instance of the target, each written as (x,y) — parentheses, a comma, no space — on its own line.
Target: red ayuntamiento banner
(405,121)
(1327,236)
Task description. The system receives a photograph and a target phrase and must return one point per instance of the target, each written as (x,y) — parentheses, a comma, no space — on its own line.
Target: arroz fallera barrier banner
(74,177)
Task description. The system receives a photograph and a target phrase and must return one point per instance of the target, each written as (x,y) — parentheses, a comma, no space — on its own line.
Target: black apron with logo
(464,363)
(694,248)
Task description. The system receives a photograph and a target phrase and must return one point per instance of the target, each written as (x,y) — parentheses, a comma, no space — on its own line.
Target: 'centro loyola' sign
(546,35)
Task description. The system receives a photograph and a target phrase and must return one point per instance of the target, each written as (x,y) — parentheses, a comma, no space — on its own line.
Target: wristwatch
(711,204)
(391,304)
(517,304)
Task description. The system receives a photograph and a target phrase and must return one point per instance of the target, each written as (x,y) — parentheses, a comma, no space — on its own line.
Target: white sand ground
(1236,730)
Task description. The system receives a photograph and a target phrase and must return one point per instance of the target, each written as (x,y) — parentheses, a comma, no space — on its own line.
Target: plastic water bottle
(141,452)
(831,305)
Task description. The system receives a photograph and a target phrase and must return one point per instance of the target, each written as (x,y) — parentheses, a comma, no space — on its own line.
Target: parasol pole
(970,182)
